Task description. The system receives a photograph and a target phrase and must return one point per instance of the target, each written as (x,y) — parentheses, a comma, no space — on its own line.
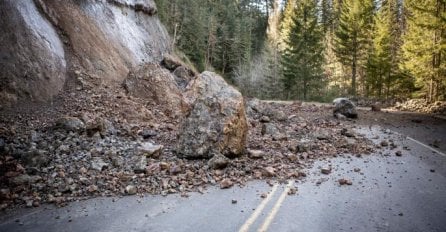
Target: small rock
(398,153)
(29,203)
(346,132)
(375,107)
(432,170)
(82,170)
(2,144)
(36,203)
(130,190)
(357,170)
(25,179)
(345,182)
(234,201)
(146,133)
(98,164)
(269,171)
(265,119)
(384,143)
(70,124)
(150,149)
(164,166)
(218,161)
(263,195)
(292,191)
(326,170)
(226,183)
(92,188)
(138,164)
(256,154)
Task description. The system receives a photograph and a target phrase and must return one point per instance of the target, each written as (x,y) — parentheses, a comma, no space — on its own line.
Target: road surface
(389,193)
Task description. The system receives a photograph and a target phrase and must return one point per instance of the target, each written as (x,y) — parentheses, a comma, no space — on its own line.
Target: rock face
(156,84)
(216,122)
(344,107)
(32,55)
(46,40)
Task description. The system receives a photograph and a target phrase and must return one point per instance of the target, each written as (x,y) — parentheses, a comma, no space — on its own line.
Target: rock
(157,85)
(97,125)
(356,169)
(2,144)
(384,143)
(253,106)
(138,163)
(216,122)
(304,145)
(35,158)
(265,119)
(292,191)
(344,107)
(348,133)
(226,183)
(398,153)
(171,62)
(150,149)
(146,133)
(234,201)
(183,76)
(25,179)
(269,171)
(219,161)
(92,188)
(70,124)
(82,170)
(345,181)
(98,164)
(269,129)
(256,154)
(375,107)
(326,170)
(130,190)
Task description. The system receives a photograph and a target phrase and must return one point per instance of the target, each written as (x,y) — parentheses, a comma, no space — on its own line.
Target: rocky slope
(47,43)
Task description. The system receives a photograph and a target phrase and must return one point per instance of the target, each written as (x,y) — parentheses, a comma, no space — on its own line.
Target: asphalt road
(389,193)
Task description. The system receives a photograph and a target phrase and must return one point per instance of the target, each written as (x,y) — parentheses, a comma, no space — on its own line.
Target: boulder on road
(216,122)
(344,107)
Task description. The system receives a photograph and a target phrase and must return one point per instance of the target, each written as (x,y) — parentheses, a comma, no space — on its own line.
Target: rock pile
(422,106)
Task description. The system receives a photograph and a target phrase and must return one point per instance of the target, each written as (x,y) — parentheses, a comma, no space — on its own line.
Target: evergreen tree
(352,36)
(424,48)
(303,57)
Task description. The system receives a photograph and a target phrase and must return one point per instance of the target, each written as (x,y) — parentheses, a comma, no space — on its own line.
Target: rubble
(60,166)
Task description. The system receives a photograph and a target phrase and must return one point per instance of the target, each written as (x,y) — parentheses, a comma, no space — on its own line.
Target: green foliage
(303,54)
(424,48)
(353,35)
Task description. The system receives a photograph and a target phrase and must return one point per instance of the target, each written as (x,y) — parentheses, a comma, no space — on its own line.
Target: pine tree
(352,36)
(424,48)
(303,57)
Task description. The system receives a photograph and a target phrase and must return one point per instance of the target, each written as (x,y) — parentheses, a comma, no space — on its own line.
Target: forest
(316,50)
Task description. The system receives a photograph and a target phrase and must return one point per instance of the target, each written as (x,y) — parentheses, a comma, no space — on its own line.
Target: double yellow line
(272,213)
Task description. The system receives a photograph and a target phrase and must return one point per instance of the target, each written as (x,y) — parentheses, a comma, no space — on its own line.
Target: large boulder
(157,85)
(216,122)
(345,107)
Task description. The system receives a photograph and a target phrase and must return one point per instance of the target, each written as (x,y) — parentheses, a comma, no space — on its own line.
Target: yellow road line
(259,209)
(275,209)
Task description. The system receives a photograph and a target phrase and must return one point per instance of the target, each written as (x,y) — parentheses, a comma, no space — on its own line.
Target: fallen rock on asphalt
(344,107)
(216,122)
